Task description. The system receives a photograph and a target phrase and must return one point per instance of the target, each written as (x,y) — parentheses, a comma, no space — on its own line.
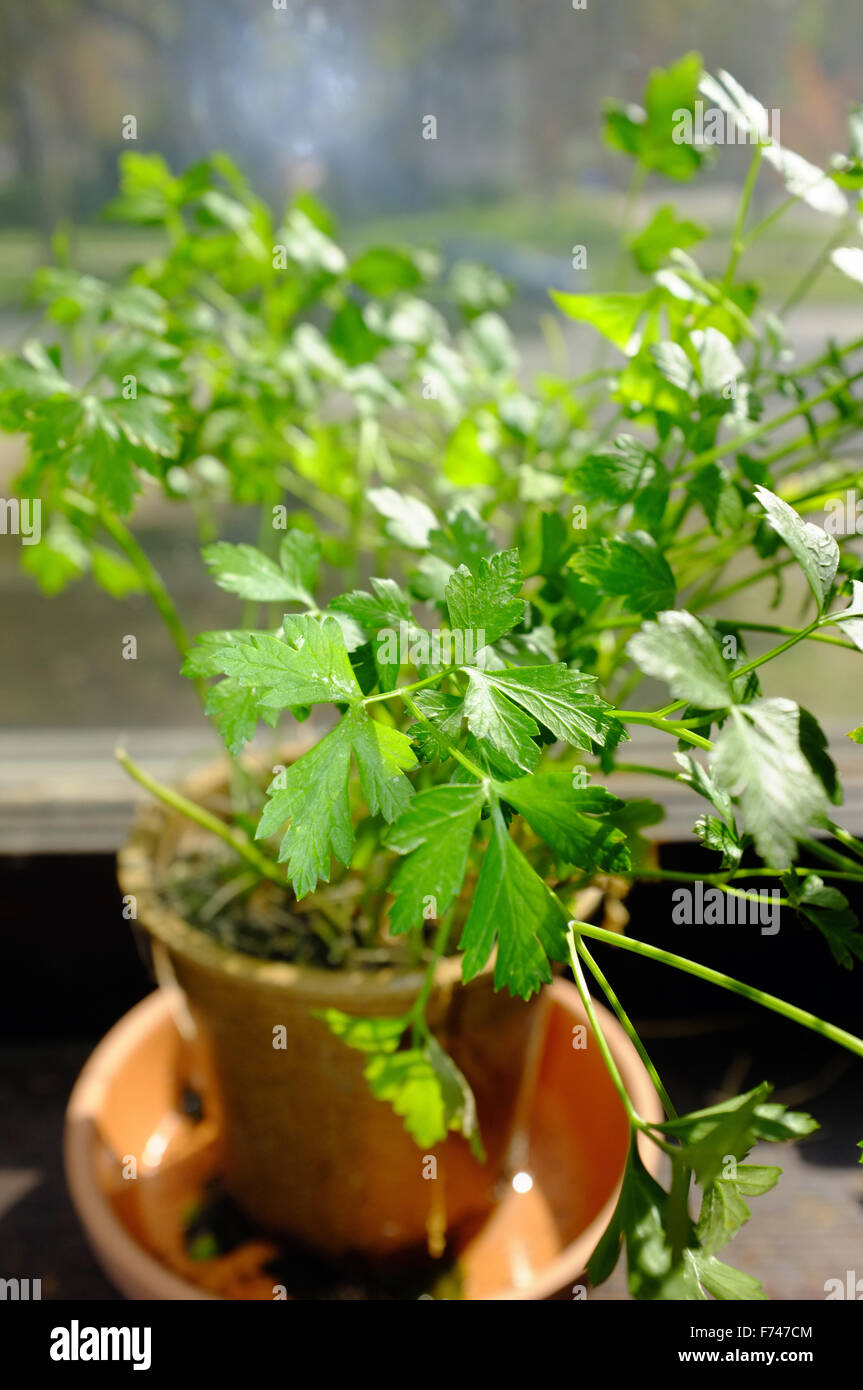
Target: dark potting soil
(336,928)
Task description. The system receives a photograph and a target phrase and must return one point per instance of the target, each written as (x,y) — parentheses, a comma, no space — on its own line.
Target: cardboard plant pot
(309,1152)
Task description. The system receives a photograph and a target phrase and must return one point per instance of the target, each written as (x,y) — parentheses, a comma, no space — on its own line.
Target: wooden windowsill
(61,790)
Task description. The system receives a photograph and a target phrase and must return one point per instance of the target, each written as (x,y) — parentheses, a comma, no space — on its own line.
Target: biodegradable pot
(125,1118)
(309,1152)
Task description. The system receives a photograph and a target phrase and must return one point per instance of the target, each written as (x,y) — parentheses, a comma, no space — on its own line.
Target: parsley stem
(821,262)
(846,838)
(716,977)
(418,1009)
(830,856)
(737,242)
(743,441)
(719,880)
(629,1027)
(676,728)
(767,222)
(744,670)
(151,580)
(826,359)
(400,690)
(149,576)
(611,1066)
(635,620)
(637,769)
(451,748)
(169,796)
(705,595)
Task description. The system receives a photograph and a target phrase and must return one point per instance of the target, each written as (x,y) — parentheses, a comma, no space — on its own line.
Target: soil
(336,928)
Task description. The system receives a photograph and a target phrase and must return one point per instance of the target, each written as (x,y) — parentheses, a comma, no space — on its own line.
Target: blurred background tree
(332,94)
(330,97)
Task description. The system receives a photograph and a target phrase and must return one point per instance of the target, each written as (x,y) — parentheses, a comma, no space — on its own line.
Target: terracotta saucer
(142,1163)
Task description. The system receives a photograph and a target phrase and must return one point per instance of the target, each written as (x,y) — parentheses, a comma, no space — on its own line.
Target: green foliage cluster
(462,579)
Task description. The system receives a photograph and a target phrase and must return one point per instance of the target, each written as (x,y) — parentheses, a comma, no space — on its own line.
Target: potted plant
(481,575)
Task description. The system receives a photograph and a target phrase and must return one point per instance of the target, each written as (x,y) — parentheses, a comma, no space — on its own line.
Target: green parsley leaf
(383,754)
(630,567)
(814,549)
(312,795)
(486,604)
(364,1034)
(513,906)
(203,657)
(662,234)
(562,700)
(615,316)
(435,833)
(386,607)
(649,134)
(678,649)
(234,711)
(408,521)
(250,574)
(571,819)
(426,1088)
(641,1220)
(723,1210)
(615,474)
(311,666)
(494,718)
(758,760)
(829,911)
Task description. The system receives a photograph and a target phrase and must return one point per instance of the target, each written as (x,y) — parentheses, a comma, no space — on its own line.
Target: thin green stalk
(268,545)
(820,264)
(779,629)
(767,222)
(720,595)
(826,359)
(846,838)
(675,729)
(607,1057)
(743,441)
(720,880)
(631,1031)
(264,867)
(716,977)
(400,690)
(744,670)
(737,243)
(637,769)
(149,576)
(452,749)
(417,1013)
(830,856)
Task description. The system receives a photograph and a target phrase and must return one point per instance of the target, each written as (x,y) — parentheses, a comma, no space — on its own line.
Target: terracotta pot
(125,1119)
(310,1154)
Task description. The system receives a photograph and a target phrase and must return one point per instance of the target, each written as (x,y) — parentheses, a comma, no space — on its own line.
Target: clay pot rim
(128,1264)
(136,875)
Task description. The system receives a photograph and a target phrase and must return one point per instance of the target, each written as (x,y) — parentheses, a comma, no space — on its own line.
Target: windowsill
(61,790)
